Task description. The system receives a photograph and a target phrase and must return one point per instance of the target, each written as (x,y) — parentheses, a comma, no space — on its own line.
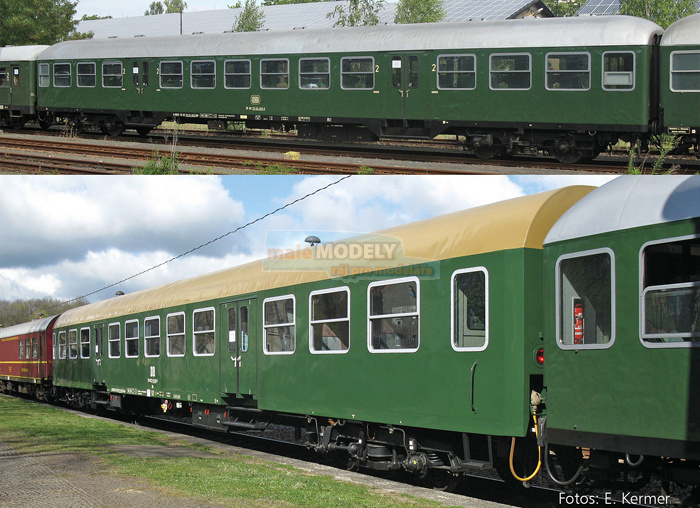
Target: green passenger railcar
(568,86)
(442,335)
(680,80)
(621,277)
(18,84)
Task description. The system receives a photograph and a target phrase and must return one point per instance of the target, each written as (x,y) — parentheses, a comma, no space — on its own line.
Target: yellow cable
(539,456)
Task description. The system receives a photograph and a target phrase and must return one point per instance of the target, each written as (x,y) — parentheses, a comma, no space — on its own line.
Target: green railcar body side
(481,390)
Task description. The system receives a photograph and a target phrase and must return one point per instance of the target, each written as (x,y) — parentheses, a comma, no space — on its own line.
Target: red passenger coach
(26,357)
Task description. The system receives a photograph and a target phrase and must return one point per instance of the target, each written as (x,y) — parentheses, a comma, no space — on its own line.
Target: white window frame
(613,300)
(146,337)
(250,74)
(671,71)
(62,337)
(358,57)
(529,72)
(604,73)
(161,74)
(388,282)
(288,74)
(642,294)
(74,332)
(192,74)
(132,339)
(276,325)
(327,60)
(184,334)
(312,321)
(437,69)
(547,71)
(78,74)
(54,344)
(195,332)
(121,74)
(81,343)
(110,340)
(44,71)
(486,305)
(70,75)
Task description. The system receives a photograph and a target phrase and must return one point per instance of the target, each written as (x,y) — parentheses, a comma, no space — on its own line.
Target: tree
(24,22)
(565,7)
(662,12)
(419,11)
(359,13)
(155,8)
(251,19)
(285,2)
(173,6)
(21,311)
(93,17)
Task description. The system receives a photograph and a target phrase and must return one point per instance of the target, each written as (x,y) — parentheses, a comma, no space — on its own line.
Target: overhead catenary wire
(233,231)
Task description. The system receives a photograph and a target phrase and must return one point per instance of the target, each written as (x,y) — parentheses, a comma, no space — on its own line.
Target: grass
(236,480)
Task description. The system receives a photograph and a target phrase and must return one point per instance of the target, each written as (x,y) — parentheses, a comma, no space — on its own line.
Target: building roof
(516,223)
(551,32)
(296,16)
(602,8)
(630,202)
(37,325)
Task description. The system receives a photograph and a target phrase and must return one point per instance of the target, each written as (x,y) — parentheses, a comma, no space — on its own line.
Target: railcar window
(394,315)
(62,345)
(568,71)
(279,325)
(35,349)
(274,74)
(685,71)
(72,344)
(585,288)
(44,75)
(112,75)
(511,72)
(204,343)
(237,74)
(396,71)
(151,332)
(4,81)
(171,75)
(27,350)
(456,72)
(61,75)
(54,345)
(203,74)
(87,75)
(114,339)
(21,349)
(470,309)
(314,73)
(618,71)
(357,73)
(84,343)
(131,339)
(671,292)
(176,334)
(329,326)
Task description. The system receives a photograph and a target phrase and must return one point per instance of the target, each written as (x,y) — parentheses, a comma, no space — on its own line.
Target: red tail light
(539,356)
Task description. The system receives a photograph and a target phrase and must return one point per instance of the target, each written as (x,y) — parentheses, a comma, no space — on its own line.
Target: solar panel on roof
(602,8)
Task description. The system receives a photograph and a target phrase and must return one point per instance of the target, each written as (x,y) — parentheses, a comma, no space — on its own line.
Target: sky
(65,237)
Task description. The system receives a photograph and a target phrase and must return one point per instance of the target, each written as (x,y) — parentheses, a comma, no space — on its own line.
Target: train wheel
(113,127)
(17,122)
(144,131)
(45,124)
(568,156)
(439,479)
(489,152)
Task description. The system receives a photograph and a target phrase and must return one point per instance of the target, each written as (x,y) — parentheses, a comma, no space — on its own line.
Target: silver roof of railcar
(21,53)
(685,31)
(629,202)
(530,32)
(38,325)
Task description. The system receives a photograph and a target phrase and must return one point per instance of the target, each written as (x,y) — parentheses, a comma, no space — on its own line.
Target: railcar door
(140,79)
(405,80)
(98,369)
(239,346)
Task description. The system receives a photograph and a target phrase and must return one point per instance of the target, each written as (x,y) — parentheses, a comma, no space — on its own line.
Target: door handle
(473,375)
